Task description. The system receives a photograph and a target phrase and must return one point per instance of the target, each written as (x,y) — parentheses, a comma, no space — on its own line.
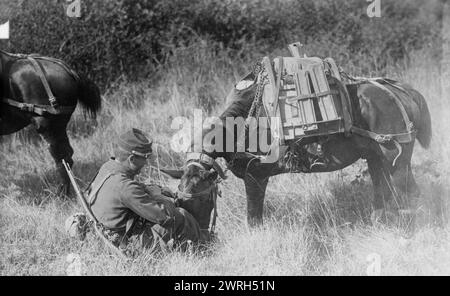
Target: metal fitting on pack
(382,139)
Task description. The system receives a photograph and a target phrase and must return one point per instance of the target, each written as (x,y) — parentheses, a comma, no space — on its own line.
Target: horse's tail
(424,132)
(89,96)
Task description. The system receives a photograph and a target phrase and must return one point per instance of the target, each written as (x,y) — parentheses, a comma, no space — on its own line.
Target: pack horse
(327,121)
(44,91)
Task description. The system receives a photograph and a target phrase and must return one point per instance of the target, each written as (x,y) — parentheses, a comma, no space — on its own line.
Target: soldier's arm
(156,190)
(152,208)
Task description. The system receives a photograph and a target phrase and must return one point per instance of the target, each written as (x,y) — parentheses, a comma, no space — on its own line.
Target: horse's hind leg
(54,133)
(404,179)
(381,187)
(255,188)
(395,188)
(408,192)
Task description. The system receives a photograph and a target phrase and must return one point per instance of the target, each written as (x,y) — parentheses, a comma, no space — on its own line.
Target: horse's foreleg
(54,133)
(255,188)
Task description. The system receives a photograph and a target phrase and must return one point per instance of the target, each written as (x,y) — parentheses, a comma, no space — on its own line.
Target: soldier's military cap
(135,142)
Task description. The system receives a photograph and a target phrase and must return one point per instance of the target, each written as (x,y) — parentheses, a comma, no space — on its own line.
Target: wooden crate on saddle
(298,92)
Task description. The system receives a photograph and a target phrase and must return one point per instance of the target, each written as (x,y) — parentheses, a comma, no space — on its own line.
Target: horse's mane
(241,100)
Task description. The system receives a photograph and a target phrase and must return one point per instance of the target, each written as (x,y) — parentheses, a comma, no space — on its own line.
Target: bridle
(199,160)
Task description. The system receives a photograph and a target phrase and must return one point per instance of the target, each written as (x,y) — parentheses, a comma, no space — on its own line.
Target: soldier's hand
(168,192)
(169,223)
(153,189)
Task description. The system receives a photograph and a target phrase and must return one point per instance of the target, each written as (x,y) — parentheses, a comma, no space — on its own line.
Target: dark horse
(389,163)
(26,99)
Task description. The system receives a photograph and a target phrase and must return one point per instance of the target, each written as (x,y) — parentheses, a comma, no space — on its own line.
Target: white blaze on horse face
(213,140)
(181,140)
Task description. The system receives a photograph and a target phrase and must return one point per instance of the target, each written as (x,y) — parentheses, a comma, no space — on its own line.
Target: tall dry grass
(314,224)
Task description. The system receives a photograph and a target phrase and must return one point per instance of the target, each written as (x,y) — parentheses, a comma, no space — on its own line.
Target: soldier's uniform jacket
(116,199)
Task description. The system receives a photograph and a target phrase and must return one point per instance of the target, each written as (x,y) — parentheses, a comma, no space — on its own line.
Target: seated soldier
(136,216)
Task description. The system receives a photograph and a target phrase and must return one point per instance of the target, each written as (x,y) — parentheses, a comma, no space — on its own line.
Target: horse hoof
(377,216)
(407,221)
(382,216)
(63,192)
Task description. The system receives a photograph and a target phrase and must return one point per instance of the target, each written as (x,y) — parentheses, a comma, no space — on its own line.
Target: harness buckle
(53,102)
(382,139)
(27,107)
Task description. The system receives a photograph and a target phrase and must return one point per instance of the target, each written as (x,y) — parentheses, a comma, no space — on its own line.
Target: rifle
(97,224)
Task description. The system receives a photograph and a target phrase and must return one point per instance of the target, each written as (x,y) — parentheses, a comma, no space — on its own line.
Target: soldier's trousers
(147,236)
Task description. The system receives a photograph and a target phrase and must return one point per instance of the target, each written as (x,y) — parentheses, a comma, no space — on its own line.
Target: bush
(128,39)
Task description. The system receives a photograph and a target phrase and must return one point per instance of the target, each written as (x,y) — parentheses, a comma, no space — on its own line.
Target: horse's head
(198,190)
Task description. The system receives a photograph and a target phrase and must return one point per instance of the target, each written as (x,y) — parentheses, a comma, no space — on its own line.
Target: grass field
(314,224)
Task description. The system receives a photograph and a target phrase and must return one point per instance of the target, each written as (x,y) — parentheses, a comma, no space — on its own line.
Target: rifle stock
(91,215)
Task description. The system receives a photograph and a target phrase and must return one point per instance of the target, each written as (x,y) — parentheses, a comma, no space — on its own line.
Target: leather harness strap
(407,136)
(41,73)
(60,63)
(384,138)
(42,110)
(394,97)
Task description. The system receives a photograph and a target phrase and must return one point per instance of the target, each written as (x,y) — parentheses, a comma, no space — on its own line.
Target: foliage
(315,224)
(121,39)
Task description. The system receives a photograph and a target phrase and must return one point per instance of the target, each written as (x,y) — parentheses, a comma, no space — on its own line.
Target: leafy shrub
(129,39)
